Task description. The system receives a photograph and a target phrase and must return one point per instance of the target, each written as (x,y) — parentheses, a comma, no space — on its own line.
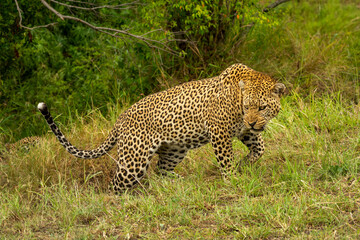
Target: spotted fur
(237,103)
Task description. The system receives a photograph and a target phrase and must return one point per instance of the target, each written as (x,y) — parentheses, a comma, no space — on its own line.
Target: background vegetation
(306,185)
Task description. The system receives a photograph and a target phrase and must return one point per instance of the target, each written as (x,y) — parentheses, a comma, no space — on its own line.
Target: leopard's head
(260,100)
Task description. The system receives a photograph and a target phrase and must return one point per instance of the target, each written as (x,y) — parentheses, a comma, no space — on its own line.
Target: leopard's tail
(106,146)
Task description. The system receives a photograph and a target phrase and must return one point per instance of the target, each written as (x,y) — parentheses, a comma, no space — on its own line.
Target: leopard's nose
(252,124)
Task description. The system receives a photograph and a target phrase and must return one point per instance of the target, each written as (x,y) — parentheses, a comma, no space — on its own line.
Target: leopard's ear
(279,89)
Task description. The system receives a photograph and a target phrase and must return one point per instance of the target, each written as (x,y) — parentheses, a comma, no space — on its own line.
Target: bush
(310,46)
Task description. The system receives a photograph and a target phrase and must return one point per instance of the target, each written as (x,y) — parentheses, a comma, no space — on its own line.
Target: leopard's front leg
(255,144)
(221,142)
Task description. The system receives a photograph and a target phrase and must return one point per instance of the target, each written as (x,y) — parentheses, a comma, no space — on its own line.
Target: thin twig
(113,32)
(152,43)
(274,5)
(93,4)
(52,9)
(152,31)
(81,2)
(118,7)
(30,28)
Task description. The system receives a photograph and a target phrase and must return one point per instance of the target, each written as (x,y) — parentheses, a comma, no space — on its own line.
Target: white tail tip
(41,106)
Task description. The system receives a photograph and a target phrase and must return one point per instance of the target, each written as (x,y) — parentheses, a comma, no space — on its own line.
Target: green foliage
(311,46)
(314,48)
(69,66)
(208,25)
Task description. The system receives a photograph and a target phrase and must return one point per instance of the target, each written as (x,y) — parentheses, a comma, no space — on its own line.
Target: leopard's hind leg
(169,157)
(132,165)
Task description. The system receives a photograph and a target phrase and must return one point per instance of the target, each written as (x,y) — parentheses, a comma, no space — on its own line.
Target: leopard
(238,103)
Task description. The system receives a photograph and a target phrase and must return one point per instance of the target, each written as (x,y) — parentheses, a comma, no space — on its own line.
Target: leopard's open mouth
(257,130)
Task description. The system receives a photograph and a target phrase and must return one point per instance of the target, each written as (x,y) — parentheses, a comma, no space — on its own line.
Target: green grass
(314,46)
(305,186)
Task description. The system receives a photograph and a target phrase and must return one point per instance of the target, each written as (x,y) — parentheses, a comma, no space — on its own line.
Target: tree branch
(113,32)
(30,28)
(274,5)
(117,33)
(118,7)
(92,4)
(52,9)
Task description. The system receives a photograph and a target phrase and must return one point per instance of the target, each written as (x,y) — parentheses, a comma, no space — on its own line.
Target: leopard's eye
(262,107)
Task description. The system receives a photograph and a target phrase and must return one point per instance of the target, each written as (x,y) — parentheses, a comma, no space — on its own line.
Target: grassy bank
(306,185)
